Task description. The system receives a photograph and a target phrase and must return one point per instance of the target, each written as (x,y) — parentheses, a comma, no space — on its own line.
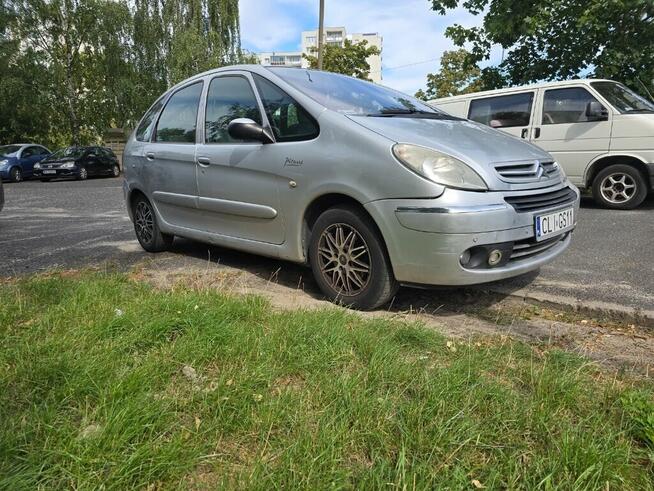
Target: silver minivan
(369,186)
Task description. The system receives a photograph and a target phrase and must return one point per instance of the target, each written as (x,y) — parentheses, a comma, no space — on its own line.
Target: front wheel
(349,260)
(16,174)
(621,187)
(115,171)
(147,228)
(83,174)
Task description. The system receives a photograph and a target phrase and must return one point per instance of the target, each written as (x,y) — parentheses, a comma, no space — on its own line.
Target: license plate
(554,224)
(49,171)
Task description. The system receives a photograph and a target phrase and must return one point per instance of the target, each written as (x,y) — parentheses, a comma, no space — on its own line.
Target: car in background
(17,161)
(79,163)
(599,131)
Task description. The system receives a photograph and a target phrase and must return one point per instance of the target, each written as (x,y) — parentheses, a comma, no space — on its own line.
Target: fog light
(464,259)
(494,257)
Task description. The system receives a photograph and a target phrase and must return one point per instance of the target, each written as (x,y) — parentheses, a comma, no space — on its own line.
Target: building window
(311,40)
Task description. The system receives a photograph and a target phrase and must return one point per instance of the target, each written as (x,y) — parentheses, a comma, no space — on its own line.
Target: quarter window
(144,131)
(229,98)
(566,106)
(178,121)
(504,111)
(289,120)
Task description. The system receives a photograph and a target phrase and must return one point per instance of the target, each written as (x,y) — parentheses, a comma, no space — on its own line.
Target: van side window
(144,131)
(503,111)
(566,106)
(289,120)
(230,97)
(178,120)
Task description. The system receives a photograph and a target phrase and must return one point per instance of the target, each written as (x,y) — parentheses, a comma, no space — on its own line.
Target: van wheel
(147,228)
(15,174)
(349,260)
(621,187)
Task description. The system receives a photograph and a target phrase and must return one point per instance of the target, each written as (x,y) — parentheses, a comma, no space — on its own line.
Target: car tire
(15,174)
(115,171)
(349,259)
(146,227)
(620,187)
(83,174)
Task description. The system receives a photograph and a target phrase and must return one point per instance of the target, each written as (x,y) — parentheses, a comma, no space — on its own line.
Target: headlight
(3,162)
(439,167)
(561,171)
(37,166)
(68,165)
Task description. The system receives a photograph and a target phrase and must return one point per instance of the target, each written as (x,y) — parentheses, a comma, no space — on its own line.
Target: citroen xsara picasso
(369,186)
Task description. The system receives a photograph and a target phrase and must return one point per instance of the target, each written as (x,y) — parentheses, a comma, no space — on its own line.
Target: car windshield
(622,98)
(352,96)
(68,153)
(7,150)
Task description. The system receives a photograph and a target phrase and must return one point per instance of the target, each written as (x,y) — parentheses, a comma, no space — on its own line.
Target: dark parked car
(17,161)
(78,162)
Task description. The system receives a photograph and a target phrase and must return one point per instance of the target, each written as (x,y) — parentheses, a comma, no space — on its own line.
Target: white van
(600,132)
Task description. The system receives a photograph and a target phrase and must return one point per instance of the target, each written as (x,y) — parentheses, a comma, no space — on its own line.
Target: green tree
(349,59)
(457,75)
(561,39)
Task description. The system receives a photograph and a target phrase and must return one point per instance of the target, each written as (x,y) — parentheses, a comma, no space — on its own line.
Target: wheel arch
(603,162)
(322,203)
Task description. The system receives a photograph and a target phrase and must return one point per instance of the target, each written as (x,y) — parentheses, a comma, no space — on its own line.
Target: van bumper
(426,239)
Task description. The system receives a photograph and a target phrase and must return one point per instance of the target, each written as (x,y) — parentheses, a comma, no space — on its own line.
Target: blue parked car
(17,161)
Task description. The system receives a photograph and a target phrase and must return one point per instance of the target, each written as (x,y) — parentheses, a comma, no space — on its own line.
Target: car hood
(477,145)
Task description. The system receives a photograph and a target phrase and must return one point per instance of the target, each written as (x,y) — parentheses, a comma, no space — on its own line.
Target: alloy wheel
(115,171)
(344,259)
(83,173)
(618,188)
(17,175)
(144,221)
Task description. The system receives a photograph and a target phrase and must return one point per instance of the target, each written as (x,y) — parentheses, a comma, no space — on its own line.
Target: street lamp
(321,28)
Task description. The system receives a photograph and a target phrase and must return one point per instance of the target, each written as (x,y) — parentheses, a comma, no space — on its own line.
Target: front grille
(526,170)
(526,248)
(532,202)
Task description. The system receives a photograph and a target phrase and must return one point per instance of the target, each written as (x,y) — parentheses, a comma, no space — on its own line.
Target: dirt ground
(616,343)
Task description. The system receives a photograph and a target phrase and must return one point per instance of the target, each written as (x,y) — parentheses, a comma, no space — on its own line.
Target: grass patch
(107,382)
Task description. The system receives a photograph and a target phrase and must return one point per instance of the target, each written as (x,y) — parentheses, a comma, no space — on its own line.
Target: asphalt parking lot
(68,224)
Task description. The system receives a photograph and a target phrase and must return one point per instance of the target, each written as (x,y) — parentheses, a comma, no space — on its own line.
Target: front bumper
(55,173)
(425,238)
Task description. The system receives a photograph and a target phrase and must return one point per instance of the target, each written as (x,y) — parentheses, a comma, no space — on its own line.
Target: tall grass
(105,382)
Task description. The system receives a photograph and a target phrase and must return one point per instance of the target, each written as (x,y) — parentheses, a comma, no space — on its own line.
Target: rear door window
(289,120)
(566,105)
(178,120)
(230,97)
(503,111)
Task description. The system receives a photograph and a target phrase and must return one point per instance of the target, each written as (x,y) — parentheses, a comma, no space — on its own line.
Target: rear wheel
(349,260)
(620,187)
(16,174)
(147,228)
(83,174)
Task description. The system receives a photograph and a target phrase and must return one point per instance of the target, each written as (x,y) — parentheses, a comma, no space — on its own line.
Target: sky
(412,33)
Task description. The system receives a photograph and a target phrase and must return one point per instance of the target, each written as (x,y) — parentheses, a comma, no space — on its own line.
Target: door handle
(149,155)
(524,133)
(204,161)
(536,132)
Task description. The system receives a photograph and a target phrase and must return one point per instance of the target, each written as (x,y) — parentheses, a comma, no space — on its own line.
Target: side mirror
(246,129)
(596,112)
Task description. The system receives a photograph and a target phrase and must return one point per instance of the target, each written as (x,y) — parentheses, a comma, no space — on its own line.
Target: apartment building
(334,36)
